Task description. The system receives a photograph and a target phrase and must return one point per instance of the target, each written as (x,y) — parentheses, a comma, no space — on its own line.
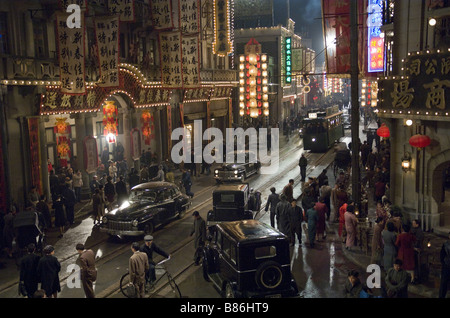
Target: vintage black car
(249,259)
(150,205)
(238,170)
(230,203)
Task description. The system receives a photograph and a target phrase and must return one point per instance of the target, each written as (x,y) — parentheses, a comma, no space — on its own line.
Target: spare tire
(269,275)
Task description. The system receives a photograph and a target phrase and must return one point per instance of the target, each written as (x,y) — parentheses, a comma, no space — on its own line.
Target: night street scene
(225,156)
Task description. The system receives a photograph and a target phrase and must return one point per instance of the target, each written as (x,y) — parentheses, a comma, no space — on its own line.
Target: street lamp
(432,22)
(406,162)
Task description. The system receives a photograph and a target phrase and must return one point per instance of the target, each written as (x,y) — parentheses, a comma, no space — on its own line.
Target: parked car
(238,171)
(230,203)
(149,206)
(249,259)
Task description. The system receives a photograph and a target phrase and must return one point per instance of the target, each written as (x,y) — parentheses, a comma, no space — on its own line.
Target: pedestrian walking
(322,178)
(148,248)
(8,231)
(397,281)
(405,244)
(160,174)
(77,184)
(377,242)
(288,190)
(94,184)
(312,217)
(88,272)
(97,206)
(187,182)
(303,162)
(28,271)
(282,211)
(351,223)
(321,210)
(325,193)
(69,201)
(60,216)
(272,202)
(138,267)
(445,271)
(353,287)
(389,236)
(110,191)
(48,272)
(199,232)
(42,207)
(295,220)
(121,190)
(170,177)
(416,230)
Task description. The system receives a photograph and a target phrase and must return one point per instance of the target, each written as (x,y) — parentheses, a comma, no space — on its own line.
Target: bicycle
(129,293)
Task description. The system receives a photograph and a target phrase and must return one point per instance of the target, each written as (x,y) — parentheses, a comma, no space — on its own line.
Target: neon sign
(375,39)
(288,61)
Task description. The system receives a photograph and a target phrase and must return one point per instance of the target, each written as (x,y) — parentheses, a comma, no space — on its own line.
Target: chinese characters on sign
(425,88)
(375,41)
(123,8)
(65,3)
(90,154)
(189,16)
(190,61)
(161,12)
(221,45)
(107,33)
(71,56)
(288,60)
(171,67)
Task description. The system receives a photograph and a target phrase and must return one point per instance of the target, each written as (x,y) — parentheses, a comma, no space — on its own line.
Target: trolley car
(321,129)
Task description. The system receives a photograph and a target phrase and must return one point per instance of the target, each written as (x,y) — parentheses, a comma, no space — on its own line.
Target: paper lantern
(419,141)
(383,131)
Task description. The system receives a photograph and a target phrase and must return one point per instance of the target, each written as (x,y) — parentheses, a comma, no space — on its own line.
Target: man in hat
(48,272)
(138,266)
(86,261)
(148,248)
(199,232)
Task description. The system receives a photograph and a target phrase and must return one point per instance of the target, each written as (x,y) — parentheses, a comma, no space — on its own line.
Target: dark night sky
(307,15)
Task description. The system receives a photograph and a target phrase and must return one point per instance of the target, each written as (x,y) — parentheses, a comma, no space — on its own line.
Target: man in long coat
(138,266)
(28,270)
(199,232)
(86,261)
(351,222)
(282,212)
(272,202)
(321,209)
(48,272)
(303,162)
(312,217)
(295,220)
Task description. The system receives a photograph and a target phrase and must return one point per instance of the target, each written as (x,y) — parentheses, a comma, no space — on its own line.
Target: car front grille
(119,226)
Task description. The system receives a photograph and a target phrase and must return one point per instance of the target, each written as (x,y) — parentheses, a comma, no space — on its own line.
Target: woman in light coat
(390,250)
(351,223)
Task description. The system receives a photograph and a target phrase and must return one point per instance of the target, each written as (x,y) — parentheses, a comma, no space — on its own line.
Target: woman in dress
(60,217)
(389,236)
(405,244)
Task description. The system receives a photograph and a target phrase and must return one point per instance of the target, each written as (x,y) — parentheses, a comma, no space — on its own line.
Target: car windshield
(149,195)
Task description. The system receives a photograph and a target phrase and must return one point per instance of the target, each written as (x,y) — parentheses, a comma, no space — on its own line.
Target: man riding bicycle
(148,248)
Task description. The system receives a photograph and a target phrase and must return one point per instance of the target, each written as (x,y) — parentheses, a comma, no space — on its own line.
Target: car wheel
(149,228)
(182,212)
(229,292)
(269,275)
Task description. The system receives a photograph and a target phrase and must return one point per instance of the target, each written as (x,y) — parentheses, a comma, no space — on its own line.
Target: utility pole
(356,190)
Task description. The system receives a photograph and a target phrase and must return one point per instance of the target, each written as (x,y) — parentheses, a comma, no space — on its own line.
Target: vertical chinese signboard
(35,153)
(375,42)
(336,30)
(288,60)
(161,12)
(222,45)
(107,34)
(424,91)
(189,16)
(71,43)
(123,8)
(191,61)
(171,62)
(90,154)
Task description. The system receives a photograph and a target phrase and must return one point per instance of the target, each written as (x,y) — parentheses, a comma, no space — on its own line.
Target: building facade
(43,123)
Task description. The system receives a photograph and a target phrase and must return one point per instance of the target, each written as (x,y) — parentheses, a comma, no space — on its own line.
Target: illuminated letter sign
(375,40)
(288,60)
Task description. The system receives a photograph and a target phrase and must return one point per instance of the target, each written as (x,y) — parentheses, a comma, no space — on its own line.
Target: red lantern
(419,141)
(383,131)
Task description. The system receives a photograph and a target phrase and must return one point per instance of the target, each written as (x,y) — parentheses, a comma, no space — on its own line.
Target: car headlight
(135,223)
(236,172)
(314,140)
(104,220)
(216,171)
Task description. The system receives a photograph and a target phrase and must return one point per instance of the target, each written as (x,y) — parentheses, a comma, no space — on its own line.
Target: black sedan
(150,205)
(235,171)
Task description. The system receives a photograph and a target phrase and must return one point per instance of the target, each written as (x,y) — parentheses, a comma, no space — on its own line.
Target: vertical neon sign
(375,39)
(288,62)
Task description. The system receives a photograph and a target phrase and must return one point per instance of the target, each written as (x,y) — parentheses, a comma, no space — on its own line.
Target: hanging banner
(147,122)
(135,144)
(123,8)
(90,154)
(110,120)
(62,133)
(191,61)
(189,16)
(222,45)
(171,61)
(107,34)
(63,4)
(337,33)
(35,153)
(71,43)
(161,12)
